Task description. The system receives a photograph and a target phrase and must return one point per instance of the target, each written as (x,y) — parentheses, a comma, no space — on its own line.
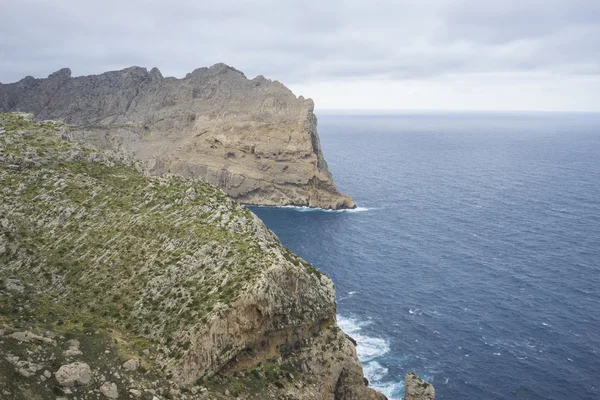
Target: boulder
(109,390)
(73,348)
(74,375)
(131,365)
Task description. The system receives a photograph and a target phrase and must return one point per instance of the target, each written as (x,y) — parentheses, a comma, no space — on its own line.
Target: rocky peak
(61,74)
(155,74)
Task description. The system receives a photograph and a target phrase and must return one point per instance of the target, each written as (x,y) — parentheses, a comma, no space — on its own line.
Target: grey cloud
(300,42)
(494,22)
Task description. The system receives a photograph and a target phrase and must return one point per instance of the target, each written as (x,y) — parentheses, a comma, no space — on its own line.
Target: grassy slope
(121,261)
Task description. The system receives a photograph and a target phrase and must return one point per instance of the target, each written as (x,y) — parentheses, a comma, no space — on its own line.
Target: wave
(374,371)
(369,349)
(391,390)
(418,311)
(350,294)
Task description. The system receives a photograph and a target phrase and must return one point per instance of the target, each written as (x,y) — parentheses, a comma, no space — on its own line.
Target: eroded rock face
(252,138)
(416,388)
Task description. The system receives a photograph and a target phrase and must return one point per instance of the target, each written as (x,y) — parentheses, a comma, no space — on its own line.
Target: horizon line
(400,111)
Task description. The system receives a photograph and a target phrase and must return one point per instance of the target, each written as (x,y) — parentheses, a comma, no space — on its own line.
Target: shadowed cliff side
(252,138)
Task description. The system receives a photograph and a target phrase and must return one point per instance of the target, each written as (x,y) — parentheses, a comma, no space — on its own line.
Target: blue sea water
(474,258)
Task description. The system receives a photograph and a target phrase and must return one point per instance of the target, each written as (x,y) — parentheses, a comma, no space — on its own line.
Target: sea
(473,258)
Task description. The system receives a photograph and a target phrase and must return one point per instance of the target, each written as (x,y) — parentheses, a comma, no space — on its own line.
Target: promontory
(253,138)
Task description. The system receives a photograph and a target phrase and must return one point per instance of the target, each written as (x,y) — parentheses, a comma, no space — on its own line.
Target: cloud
(304,43)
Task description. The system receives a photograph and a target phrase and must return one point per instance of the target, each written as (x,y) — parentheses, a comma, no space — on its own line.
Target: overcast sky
(346,54)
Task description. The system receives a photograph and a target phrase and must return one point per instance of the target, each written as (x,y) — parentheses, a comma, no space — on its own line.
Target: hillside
(116,283)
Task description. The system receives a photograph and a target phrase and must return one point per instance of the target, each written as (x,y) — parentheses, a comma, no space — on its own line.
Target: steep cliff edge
(252,138)
(116,284)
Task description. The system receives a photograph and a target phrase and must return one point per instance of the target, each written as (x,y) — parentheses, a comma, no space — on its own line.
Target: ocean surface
(474,256)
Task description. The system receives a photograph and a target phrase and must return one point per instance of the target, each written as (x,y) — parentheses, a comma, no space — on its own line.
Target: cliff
(118,284)
(252,138)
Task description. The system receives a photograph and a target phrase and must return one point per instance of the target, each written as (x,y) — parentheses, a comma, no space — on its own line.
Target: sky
(345,54)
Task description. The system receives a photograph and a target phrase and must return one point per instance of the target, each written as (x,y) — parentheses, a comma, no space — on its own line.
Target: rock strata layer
(253,138)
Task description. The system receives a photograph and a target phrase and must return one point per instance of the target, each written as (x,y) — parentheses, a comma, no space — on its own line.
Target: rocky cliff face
(116,284)
(252,138)
(416,388)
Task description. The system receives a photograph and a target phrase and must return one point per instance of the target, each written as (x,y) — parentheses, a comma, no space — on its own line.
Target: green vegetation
(254,381)
(147,254)
(103,346)
(123,261)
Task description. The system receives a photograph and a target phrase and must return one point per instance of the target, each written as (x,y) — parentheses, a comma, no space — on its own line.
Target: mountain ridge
(253,138)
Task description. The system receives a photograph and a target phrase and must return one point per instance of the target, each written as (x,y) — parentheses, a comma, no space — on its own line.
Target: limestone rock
(253,138)
(28,336)
(109,390)
(417,389)
(74,375)
(15,285)
(131,365)
(73,348)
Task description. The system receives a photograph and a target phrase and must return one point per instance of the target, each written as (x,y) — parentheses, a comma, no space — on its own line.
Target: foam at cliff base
(316,209)
(370,348)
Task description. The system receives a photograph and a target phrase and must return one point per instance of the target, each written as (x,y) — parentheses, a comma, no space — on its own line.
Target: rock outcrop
(416,388)
(252,138)
(128,284)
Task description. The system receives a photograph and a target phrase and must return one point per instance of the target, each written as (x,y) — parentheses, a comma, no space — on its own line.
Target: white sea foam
(315,209)
(369,348)
(311,209)
(350,294)
(389,389)
(375,371)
